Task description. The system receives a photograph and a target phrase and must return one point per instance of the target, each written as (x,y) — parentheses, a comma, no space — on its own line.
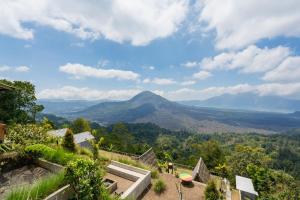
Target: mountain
(249,101)
(59,107)
(149,107)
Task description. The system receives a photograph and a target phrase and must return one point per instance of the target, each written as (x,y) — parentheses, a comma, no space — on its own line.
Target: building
(246,188)
(58,132)
(82,139)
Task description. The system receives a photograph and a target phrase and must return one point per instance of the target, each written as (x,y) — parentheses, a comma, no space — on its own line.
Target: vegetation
(27,134)
(159,187)
(211,192)
(80,125)
(85,178)
(68,142)
(272,161)
(19,105)
(59,155)
(39,189)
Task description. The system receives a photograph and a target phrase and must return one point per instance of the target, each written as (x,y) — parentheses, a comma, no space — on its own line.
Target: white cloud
(190,64)
(160,81)
(250,60)
(22,69)
(85,93)
(288,70)
(202,75)
(240,23)
(81,71)
(186,83)
(135,21)
(4,68)
(270,89)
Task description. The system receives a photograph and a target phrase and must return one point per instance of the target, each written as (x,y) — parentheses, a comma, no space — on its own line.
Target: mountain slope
(249,101)
(61,106)
(149,107)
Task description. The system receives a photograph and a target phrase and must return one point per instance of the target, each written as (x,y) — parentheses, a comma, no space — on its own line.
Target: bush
(154,174)
(211,192)
(159,187)
(59,156)
(27,134)
(68,142)
(85,178)
(39,189)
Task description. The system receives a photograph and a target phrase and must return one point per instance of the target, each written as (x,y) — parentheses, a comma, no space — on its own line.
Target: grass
(39,190)
(59,155)
(159,187)
(133,163)
(154,174)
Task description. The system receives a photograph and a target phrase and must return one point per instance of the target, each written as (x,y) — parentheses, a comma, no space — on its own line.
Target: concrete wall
(63,193)
(52,167)
(143,179)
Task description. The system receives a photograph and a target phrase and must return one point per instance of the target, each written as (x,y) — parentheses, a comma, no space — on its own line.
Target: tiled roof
(81,137)
(58,133)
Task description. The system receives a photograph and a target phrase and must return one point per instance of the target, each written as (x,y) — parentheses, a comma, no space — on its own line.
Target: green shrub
(159,187)
(39,189)
(85,178)
(27,134)
(154,174)
(68,142)
(59,156)
(211,192)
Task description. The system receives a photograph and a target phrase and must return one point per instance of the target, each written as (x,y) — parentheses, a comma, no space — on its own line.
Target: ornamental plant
(85,178)
(68,142)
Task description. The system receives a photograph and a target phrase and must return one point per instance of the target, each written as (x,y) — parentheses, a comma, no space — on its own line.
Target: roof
(82,137)
(245,184)
(58,133)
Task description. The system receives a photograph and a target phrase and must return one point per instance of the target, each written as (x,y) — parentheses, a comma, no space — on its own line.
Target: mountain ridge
(150,107)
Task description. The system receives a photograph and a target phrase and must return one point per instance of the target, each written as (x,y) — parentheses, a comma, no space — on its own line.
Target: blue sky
(179,49)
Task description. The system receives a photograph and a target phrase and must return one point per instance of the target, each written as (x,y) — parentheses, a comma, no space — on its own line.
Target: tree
(80,125)
(19,104)
(212,154)
(211,192)
(68,142)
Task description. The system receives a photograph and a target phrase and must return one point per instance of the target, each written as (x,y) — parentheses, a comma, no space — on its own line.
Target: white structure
(246,188)
(58,132)
(140,177)
(83,138)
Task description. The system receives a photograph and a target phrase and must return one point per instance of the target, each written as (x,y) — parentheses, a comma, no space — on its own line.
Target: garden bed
(20,177)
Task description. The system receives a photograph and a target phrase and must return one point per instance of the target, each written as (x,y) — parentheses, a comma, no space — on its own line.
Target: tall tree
(19,104)
(80,125)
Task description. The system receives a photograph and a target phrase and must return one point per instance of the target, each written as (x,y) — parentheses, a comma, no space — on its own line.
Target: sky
(180,49)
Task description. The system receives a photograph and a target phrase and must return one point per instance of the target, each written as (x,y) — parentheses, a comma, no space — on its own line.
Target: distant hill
(60,107)
(248,101)
(149,107)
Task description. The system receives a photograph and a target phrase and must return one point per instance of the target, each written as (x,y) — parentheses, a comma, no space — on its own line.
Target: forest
(271,161)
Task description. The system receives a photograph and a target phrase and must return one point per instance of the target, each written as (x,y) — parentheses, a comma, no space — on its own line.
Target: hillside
(248,101)
(60,106)
(149,107)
